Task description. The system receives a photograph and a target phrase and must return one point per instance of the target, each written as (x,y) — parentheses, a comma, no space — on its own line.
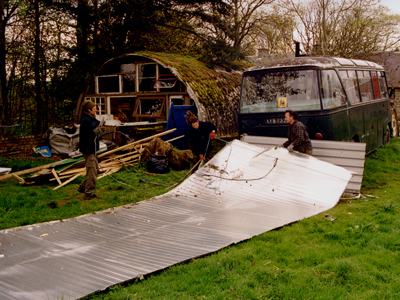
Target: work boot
(90,197)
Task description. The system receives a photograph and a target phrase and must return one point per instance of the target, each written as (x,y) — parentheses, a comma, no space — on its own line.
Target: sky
(393,5)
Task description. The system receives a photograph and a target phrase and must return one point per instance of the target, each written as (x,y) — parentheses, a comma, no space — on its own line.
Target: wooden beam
(176,138)
(136,142)
(21,180)
(56,176)
(73,171)
(7,176)
(69,180)
(61,177)
(109,172)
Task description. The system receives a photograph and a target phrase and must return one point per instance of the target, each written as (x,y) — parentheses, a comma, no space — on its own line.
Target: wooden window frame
(149,116)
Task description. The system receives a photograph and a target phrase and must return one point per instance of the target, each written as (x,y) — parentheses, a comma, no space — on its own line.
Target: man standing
(298,138)
(89,132)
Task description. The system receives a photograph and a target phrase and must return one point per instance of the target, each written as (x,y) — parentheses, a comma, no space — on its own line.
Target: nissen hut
(140,87)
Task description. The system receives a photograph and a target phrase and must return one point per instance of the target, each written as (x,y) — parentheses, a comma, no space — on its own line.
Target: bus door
(371,110)
(356,110)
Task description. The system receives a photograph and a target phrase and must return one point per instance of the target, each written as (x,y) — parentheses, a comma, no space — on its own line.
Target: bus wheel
(395,124)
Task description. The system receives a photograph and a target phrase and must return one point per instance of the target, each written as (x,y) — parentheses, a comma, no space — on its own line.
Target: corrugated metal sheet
(350,156)
(234,197)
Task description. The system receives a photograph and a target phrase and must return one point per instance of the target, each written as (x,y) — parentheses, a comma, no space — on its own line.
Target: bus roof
(324,62)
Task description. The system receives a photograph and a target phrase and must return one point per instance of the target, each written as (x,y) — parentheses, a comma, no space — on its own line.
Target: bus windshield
(277,91)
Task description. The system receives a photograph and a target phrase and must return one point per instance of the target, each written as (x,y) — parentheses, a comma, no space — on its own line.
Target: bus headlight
(318,136)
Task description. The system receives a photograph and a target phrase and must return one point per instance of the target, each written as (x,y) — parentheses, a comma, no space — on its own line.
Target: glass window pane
(331,89)
(128,83)
(108,84)
(150,107)
(365,86)
(349,80)
(266,91)
(382,84)
(375,84)
(147,77)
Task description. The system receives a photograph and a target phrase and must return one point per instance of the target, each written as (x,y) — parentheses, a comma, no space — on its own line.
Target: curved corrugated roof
(216,93)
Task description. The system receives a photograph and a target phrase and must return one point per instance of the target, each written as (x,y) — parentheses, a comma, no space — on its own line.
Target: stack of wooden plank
(68,170)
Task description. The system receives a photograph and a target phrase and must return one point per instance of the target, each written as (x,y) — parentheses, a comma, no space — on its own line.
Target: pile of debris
(110,161)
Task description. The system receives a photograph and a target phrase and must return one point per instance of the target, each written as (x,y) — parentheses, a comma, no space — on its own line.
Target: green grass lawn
(357,256)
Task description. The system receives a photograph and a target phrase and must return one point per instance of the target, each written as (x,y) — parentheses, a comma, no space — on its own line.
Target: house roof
(216,93)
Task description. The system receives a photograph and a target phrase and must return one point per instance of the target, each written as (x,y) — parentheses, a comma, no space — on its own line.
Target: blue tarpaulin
(176,119)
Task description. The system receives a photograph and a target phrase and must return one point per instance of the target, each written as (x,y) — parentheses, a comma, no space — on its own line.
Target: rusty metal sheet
(242,192)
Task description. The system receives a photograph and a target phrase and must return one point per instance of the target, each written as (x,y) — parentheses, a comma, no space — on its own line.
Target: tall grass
(354,257)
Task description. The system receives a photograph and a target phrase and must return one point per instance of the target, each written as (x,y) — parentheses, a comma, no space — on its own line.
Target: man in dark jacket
(89,132)
(200,134)
(298,138)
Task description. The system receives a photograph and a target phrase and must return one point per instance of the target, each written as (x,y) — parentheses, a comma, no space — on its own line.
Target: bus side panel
(371,125)
(318,124)
(384,118)
(357,130)
(341,121)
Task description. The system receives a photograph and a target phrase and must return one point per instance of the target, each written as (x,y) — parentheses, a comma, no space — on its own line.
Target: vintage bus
(336,98)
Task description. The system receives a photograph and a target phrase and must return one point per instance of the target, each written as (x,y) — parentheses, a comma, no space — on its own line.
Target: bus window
(349,79)
(382,84)
(364,79)
(280,90)
(375,84)
(332,91)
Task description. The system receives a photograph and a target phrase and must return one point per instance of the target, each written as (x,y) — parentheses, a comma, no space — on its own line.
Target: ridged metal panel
(79,256)
(350,156)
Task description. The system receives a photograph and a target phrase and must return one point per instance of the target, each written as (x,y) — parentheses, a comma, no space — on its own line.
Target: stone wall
(396,102)
(22,145)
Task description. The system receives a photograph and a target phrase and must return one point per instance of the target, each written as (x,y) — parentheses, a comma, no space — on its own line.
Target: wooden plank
(68,181)
(56,176)
(125,147)
(109,172)
(21,180)
(79,170)
(119,156)
(27,171)
(61,177)
(176,138)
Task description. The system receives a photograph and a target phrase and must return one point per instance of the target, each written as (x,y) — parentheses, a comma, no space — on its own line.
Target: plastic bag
(157,164)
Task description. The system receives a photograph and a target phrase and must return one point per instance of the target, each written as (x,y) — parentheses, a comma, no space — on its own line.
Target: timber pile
(68,170)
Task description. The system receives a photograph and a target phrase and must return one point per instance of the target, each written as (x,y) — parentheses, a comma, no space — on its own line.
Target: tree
(8,13)
(275,34)
(250,24)
(344,27)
